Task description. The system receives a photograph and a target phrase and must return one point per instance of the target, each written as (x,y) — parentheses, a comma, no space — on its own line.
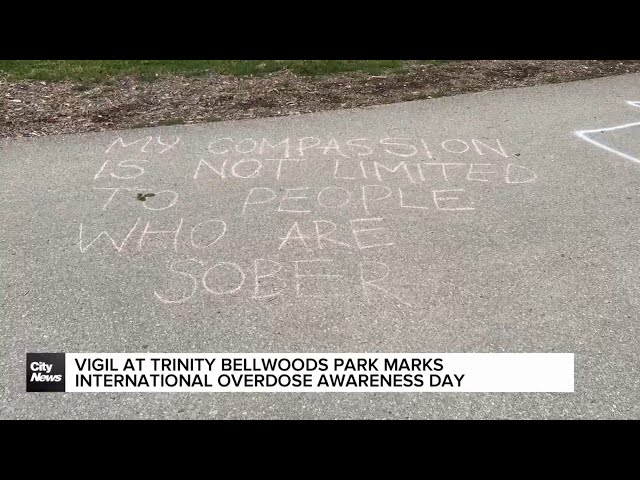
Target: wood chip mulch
(35,108)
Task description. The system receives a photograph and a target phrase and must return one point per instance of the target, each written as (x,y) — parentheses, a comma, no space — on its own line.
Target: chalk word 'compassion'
(353,148)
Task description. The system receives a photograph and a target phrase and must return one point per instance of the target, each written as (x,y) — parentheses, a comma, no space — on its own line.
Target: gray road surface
(502,231)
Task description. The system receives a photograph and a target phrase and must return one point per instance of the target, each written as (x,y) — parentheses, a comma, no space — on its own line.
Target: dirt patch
(34,108)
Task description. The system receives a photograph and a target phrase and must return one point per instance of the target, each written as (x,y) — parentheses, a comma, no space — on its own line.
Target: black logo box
(45,372)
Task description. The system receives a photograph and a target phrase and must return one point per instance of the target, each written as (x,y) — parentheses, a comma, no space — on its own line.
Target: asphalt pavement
(503,221)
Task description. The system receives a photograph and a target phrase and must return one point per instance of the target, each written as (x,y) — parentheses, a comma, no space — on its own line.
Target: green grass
(107,70)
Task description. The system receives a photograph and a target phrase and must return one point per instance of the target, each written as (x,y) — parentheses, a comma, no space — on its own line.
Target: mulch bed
(34,108)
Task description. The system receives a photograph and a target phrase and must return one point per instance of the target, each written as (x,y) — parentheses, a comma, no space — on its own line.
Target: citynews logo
(45,372)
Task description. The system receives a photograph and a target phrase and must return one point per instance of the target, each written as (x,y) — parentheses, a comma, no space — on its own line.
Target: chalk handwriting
(219,223)
(194,280)
(143,143)
(297,275)
(402,147)
(117,247)
(269,280)
(229,291)
(369,284)
(369,181)
(175,233)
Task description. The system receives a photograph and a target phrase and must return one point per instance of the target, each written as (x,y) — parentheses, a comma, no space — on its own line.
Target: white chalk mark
(173,202)
(227,292)
(402,164)
(124,164)
(355,232)
(359,145)
(115,190)
(104,232)
(144,148)
(437,199)
(219,172)
(412,148)
(364,173)
(271,274)
(253,174)
(508,179)
(325,235)
(465,147)
(194,279)
(500,152)
(443,165)
(335,172)
(224,230)
(290,236)
(426,148)
(480,172)
(333,145)
(298,276)
(253,145)
(409,206)
(280,160)
(287,197)
(209,147)
(370,283)
(161,232)
(302,147)
(583,134)
(125,145)
(102,167)
(272,146)
(168,145)
(365,199)
(246,202)
(337,188)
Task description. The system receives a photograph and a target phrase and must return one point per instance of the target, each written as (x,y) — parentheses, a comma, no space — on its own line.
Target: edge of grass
(105,71)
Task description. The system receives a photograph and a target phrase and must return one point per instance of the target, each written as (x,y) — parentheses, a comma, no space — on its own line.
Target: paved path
(476,223)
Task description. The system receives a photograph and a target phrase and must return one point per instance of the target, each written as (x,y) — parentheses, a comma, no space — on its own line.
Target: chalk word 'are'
(367,233)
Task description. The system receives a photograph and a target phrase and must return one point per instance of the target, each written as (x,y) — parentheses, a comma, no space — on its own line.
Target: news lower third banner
(300,372)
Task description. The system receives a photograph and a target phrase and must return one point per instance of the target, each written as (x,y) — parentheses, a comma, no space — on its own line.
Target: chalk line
(583,135)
